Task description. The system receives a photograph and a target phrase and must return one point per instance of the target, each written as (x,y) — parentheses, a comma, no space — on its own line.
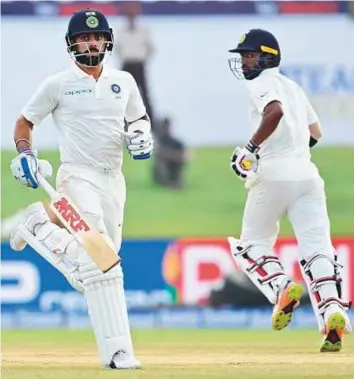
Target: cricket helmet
(88,21)
(260,41)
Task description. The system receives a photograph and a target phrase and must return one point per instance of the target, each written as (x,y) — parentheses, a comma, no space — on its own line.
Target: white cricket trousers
(99,195)
(303,202)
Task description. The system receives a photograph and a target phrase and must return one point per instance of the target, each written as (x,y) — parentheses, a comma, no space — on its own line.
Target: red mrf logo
(69,214)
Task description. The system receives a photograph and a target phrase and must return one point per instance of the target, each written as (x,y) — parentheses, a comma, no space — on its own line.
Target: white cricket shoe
(35,215)
(122,361)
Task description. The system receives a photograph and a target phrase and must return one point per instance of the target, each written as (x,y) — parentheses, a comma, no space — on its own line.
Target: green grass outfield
(212,203)
(184,354)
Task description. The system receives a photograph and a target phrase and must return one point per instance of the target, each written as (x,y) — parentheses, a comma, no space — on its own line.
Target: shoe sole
(282,317)
(114,367)
(335,327)
(124,368)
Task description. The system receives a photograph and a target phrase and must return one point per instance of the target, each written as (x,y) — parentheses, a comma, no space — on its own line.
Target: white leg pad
(54,244)
(56,259)
(107,310)
(60,242)
(322,277)
(261,265)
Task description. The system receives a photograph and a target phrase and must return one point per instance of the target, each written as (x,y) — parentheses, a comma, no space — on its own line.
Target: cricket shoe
(288,299)
(335,327)
(123,361)
(35,215)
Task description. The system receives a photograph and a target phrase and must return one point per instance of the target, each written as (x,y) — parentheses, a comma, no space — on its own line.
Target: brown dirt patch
(159,357)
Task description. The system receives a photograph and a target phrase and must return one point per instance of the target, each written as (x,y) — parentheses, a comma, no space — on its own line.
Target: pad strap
(257,265)
(316,283)
(265,270)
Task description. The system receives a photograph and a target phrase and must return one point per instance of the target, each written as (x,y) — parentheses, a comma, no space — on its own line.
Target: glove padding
(26,166)
(139,144)
(244,163)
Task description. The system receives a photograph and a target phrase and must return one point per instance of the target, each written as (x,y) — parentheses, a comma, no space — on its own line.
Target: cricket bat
(92,241)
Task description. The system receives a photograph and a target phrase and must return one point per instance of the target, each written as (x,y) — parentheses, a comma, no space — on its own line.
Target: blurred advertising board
(196,7)
(255,318)
(192,268)
(157,273)
(30,283)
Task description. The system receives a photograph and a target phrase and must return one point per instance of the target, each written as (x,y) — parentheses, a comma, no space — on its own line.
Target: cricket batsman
(92,104)
(282,180)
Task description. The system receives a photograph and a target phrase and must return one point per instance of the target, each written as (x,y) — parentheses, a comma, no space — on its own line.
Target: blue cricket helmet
(88,21)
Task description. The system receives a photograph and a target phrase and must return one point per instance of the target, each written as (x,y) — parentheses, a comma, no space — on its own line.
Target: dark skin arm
(272,115)
(23,130)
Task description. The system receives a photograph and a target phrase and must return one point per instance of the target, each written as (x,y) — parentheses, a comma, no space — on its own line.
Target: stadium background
(175,252)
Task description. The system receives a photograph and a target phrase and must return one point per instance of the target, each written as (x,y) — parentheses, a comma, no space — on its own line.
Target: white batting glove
(26,166)
(139,144)
(244,162)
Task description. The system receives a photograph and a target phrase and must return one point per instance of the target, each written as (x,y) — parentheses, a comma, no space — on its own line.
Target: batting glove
(139,144)
(245,160)
(26,166)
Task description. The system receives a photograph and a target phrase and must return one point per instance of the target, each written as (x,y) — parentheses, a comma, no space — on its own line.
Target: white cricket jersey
(285,155)
(88,114)
(133,45)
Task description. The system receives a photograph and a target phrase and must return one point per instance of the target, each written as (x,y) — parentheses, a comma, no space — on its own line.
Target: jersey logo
(261,96)
(115,88)
(77,92)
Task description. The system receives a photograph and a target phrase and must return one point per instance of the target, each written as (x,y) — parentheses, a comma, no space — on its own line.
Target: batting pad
(107,309)
(261,266)
(57,260)
(321,273)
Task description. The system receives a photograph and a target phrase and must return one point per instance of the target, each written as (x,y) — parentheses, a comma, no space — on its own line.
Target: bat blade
(93,242)
(99,250)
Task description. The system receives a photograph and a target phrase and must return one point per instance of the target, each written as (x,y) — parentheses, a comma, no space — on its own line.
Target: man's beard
(250,72)
(90,60)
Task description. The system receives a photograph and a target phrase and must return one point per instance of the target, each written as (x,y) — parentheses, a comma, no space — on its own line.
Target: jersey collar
(82,74)
(270,71)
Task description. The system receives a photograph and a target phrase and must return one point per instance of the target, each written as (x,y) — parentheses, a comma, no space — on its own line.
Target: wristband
(23,140)
(26,150)
(252,147)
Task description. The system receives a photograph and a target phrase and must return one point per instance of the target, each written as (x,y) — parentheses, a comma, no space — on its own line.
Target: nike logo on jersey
(263,95)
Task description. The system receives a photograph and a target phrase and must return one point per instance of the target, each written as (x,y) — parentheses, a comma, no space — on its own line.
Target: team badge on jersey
(115,88)
(92,22)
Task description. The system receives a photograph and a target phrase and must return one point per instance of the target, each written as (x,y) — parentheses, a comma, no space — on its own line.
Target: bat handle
(47,186)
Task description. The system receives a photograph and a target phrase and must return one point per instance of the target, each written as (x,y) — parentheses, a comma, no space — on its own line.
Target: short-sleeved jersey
(88,114)
(285,155)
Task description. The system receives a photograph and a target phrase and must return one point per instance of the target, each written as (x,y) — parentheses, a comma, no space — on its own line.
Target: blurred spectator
(170,158)
(134,47)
